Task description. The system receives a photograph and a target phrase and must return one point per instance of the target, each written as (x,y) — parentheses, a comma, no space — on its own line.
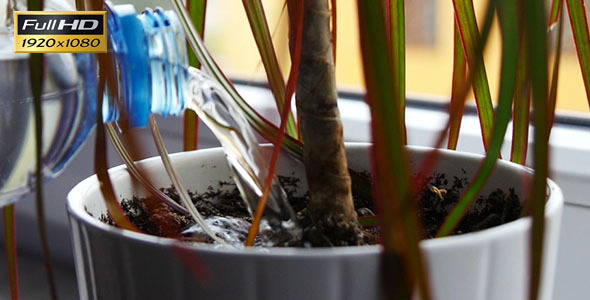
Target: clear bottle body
(68,107)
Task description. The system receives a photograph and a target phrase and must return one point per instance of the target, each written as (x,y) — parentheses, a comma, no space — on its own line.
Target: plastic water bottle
(151,64)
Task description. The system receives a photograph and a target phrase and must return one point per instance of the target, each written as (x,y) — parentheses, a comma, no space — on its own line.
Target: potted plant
(405,260)
(118,264)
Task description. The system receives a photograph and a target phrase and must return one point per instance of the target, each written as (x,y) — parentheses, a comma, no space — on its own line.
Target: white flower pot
(116,264)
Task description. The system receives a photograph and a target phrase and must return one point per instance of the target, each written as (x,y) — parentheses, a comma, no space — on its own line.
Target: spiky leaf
(579,22)
(400,228)
(197,9)
(537,38)
(261,33)
(507,14)
(467,25)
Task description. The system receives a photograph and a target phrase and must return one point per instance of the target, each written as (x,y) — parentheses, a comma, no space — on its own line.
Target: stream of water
(243,152)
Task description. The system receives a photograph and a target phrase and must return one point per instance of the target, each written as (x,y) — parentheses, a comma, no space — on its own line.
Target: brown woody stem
(331,205)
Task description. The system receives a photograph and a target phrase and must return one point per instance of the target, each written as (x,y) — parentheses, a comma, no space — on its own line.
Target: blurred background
(429,38)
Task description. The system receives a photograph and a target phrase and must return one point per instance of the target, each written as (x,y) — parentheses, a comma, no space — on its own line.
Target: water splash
(230,229)
(243,152)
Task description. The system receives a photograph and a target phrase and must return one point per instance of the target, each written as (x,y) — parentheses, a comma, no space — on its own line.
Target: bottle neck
(155,78)
(150,61)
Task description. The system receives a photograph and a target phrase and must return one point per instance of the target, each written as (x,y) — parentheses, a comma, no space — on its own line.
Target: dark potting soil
(491,210)
(435,202)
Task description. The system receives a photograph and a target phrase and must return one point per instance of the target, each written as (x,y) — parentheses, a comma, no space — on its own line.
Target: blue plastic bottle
(150,60)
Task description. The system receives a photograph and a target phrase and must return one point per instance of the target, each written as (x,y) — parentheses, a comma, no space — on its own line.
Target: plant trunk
(331,205)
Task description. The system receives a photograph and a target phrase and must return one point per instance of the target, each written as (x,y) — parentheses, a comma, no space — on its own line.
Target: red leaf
(296,10)
(11,252)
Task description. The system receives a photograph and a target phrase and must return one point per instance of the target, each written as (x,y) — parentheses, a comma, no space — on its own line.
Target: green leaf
(579,23)
(555,72)
(191,131)
(522,100)
(369,221)
(400,227)
(80,5)
(398,57)
(467,24)
(197,9)
(295,10)
(259,123)
(35,5)
(263,38)
(555,14)
(11,252)
(457,102)
(461,89)
(537,38)
(507,15)
(36,68)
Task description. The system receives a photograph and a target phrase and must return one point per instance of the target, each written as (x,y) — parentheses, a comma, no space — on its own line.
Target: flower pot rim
(78,211)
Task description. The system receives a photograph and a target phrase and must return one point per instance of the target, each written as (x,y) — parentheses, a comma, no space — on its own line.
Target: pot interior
(202,169)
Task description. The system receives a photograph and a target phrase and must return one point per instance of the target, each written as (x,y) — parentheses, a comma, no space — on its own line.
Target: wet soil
(435,202)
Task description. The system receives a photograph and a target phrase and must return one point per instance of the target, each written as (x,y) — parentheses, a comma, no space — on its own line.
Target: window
(429,36)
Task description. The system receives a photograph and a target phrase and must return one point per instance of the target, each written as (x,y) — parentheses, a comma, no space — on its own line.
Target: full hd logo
(42,31)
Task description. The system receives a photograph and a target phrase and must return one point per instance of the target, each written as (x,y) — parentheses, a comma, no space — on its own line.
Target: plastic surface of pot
(117,264)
